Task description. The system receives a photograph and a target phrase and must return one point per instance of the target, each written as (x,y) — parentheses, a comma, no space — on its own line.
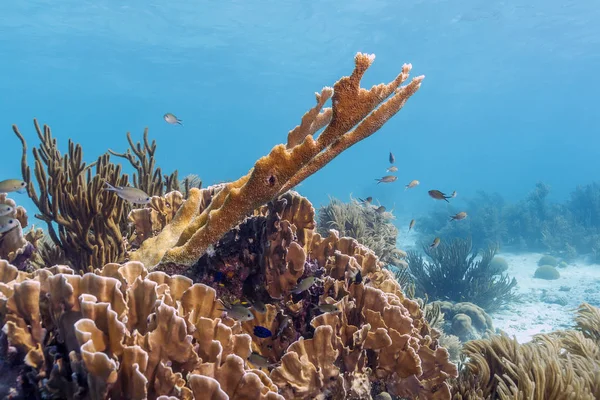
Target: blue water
(510,95)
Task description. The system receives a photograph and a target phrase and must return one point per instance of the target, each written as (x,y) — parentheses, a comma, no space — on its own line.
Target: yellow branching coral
(356,114)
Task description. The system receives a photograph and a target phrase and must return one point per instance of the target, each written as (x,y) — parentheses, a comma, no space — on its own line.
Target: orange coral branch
(287,166)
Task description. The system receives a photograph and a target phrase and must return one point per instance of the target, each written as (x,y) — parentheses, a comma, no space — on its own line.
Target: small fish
(131,194)
(328,308)
(380,210)
(172,119)
(393,168)
(262,332)
(436,243)
(7,223)
(305,284)
(453,195)
(459,216)
(357,278)
(237,312)
(284,324)
(387,179)
(218,277)
(366,201)
(412,184)
(5,209)
(259,306)
(12,185)
(260,361)
(436,194)
(411,225)
(392,158)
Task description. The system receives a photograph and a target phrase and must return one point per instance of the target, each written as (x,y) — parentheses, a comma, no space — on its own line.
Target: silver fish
(5,209)
(131,194)
(237,312)
(393,168)
(305,284)
(260,361)
(8,223)
(172,119)
(12,185)
(328,308)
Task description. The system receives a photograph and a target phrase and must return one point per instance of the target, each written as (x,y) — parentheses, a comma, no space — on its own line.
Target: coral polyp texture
(356,113)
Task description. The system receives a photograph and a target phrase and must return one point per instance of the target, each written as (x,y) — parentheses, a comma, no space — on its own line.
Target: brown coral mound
(59,322)
(356,113)
(559,365)
(125,330)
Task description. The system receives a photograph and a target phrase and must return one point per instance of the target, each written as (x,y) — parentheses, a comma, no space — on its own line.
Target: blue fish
(262,332)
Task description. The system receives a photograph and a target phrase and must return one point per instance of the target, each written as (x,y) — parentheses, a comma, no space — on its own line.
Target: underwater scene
(277,200)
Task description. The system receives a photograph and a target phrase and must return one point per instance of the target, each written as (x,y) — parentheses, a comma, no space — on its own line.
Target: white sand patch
(535,312)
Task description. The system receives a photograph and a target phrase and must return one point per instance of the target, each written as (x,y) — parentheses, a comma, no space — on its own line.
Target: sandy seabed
(545,305)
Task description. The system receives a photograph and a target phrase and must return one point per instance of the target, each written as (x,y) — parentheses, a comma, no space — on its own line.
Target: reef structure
(356,113)
(124,330)
(153,325)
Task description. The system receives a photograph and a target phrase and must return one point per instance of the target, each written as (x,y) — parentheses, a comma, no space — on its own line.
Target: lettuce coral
(123,329)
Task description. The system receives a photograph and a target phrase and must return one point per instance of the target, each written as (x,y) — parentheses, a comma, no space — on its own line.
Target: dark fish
(366,201)
(284,324)
(380,209)
(358,278)
(436,194)
(410,226)
(387,179)
(392,158)
(262,332)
